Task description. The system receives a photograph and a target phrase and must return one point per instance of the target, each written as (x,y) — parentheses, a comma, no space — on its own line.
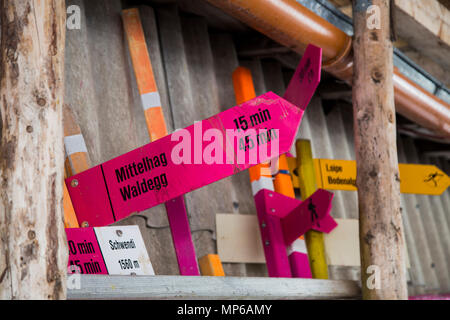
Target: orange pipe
(294,26)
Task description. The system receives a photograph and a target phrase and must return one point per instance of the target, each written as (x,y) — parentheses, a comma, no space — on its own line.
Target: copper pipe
(294,26)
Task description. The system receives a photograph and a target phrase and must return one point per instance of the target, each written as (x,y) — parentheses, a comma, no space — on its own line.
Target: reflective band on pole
(298,245)
(74,144)
(150,100)
(262,183)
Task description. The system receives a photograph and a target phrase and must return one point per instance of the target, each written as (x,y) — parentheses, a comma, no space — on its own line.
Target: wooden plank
(225,61)
(419,250)
(207,288)
(157,234)
(238,239)
(110,74)
(439,215)
(342,244)
(96,63)
(425,25)
(80,94)
(156,126)
(425,213)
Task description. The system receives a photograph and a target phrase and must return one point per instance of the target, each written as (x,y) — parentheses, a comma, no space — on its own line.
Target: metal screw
(74,183)
(119,233)
(263,225)
(270,194)
(267,242)
(85,224)
(132,273)
(273,210)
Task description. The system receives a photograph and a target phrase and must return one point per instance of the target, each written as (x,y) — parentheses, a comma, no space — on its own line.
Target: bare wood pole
(380,222)
(33,249)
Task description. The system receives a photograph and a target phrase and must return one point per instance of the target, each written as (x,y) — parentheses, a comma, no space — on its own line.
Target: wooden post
(383,270)
(33,249)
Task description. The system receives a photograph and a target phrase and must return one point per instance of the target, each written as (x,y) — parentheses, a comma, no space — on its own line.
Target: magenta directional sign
(297,217)
(207,151)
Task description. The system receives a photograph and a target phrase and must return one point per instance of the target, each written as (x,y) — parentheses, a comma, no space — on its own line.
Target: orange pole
(156,125)
(151,102)
(77,160)
(260,175)
(210,265)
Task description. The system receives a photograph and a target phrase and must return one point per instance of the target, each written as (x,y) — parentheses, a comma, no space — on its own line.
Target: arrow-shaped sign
(341,175)
(297,216)
(234,140)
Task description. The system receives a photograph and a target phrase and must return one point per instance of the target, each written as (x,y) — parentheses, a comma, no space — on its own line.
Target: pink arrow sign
(306,78)
(234,140)
(297,216)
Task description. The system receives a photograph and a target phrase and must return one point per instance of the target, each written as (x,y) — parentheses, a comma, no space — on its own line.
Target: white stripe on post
(150,100)
(74,144)
(298,245)
(262,183)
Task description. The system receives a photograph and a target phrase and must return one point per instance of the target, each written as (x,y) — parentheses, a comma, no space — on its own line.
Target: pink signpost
(85,255)
(254,132)
(245,135)
(283,219)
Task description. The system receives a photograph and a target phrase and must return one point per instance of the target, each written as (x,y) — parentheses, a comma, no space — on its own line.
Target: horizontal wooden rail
(192,287)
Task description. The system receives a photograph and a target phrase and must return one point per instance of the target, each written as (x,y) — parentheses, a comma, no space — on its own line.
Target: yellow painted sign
(341,175)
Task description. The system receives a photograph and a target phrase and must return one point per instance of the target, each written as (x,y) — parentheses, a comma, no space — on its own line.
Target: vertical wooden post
(383,271)
(33,250)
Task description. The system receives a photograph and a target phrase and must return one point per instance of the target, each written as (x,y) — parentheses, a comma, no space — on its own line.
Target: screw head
(74,183)
(85,224)
(119,233)
(273,210)
(267,242)
(270,194)
(263,225)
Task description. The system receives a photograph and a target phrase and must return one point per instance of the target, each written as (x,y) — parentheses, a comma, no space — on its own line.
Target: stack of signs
(108,250)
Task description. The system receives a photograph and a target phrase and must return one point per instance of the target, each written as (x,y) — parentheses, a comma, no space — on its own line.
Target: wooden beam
(32,239)
(381,229)
(425,26)
(207,288)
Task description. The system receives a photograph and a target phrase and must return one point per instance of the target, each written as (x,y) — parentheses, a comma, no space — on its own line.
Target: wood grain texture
(207,288)
(33,249)
(378,183)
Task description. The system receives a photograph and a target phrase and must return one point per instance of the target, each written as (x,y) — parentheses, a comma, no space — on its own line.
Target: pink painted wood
(90,254)
(296,216)
(181,236)
(100,196)
(299,92)
(300,265)
(272,237)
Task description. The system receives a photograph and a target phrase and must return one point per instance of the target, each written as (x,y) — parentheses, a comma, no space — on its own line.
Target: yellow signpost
(341,175)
